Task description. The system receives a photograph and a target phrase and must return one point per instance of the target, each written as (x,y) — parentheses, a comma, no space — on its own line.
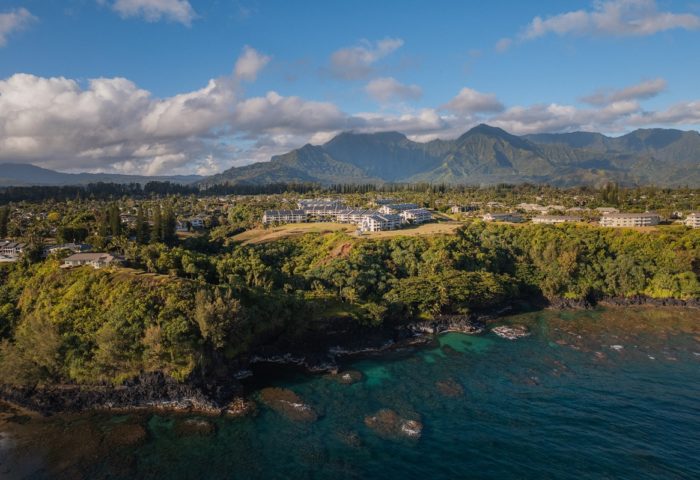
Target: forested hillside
(486,155)
(184,312)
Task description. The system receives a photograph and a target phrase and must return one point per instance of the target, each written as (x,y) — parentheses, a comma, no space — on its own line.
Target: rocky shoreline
(228,396)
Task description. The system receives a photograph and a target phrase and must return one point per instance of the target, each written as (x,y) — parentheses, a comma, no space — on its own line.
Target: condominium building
(630,219)
(284,216)
(416,215)
(693,220)
(353,216)
(397,207)
(321,213)
(378,222)
(552,219)
(323,203)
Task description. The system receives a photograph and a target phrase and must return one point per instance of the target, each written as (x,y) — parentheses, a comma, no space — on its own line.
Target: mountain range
(483,155)
(486,155)
(18,174)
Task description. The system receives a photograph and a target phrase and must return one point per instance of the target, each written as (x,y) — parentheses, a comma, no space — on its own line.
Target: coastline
(317,354)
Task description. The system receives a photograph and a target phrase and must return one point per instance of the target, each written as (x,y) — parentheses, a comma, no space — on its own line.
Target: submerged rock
(449,388)
(387,423)
(240,407)
(288,403)
(351,439)
(347,377)
(126,434)
(512,332)
(191,427)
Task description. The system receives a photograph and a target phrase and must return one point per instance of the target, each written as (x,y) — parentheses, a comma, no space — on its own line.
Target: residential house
(11,249)
(73,247)
(463,208)
(196,222)
(95,260)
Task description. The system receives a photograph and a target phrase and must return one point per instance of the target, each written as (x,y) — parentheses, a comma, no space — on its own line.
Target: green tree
(142,233)
(157,228)
(4,220)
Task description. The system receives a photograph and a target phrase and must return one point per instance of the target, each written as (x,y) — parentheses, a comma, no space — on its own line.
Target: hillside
(486,155)
(17,174)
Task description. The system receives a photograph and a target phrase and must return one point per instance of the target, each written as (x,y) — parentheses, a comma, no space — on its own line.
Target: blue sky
(177,86)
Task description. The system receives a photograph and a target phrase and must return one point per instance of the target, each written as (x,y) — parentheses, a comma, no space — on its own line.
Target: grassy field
(262,235)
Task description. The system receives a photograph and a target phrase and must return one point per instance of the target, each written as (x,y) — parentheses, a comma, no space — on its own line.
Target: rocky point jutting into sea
(584,392)
(322,352)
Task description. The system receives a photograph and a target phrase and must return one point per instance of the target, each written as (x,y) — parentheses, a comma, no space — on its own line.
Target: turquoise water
(557,404)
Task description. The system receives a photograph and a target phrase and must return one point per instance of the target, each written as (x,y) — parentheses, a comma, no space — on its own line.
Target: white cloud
(387,89)
(249,64)
(14,21)
(356,62)
(566,118)
(110,124)
(640,91)
(612,18)
(469,101)
(275,113)
(503,44)
(682,113)
(154,10)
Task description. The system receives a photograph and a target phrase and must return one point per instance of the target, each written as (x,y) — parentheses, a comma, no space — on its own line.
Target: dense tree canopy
(183,308)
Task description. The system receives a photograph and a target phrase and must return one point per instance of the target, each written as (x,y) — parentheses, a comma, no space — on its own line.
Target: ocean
(606,393)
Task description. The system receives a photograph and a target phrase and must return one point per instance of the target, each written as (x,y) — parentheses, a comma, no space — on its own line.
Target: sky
(192,86)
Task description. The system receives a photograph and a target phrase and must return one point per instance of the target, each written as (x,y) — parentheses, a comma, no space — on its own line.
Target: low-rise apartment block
(552,219)
(322,203)
(416,215)
(284,216)
(693,220)
(630,220)
(397,207)
(379,222)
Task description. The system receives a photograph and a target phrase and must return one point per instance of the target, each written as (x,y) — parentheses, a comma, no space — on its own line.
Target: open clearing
(262,235)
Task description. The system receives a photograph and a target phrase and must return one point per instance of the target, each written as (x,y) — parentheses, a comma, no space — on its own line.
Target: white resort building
(284,216)
(378,222)
(552,219)
(314,203)
(416,215)
(397,207)
(630,219)
(693,220)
